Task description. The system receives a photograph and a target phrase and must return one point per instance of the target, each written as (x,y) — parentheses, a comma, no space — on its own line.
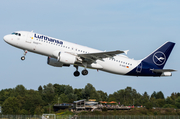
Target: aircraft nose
(6,38)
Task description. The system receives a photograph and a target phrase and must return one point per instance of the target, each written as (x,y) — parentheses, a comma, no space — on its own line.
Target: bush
(96,112)
(84,113)
(148,105)
(144,112)
(169,106)
(155,113)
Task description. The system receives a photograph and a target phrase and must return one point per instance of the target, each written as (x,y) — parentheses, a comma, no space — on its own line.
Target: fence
(20,116)
(128,117)
(92,117)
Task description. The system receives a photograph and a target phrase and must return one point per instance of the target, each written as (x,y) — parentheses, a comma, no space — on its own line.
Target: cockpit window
(18,34)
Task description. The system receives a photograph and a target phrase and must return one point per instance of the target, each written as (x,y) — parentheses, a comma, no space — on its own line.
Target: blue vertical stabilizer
(154,62)
(159,57)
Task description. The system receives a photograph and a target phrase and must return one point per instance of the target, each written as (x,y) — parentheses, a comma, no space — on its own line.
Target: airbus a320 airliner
(62,53)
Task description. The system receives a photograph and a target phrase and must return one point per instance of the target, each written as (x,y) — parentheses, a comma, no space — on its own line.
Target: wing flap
(100,55)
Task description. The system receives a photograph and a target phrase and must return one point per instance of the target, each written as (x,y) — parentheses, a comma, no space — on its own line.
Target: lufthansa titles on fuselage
(48,39)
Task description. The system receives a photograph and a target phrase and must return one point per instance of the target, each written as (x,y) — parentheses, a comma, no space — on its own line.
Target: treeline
(21,101)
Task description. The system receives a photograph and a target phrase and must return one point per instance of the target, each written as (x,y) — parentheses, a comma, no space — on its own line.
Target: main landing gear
(84,72)
(23,57)
(76,73)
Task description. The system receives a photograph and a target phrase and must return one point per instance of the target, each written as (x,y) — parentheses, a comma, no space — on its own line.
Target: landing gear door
(29,37)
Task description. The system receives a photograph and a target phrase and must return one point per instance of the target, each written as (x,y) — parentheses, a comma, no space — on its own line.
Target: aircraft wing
(100,55)
(162,70)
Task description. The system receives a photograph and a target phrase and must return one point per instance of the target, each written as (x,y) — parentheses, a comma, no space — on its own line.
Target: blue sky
(136,25)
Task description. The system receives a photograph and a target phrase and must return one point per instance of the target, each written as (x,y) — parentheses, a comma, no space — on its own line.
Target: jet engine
(53,62)
(66,58)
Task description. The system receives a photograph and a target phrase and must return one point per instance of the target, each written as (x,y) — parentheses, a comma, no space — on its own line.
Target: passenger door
(29,37)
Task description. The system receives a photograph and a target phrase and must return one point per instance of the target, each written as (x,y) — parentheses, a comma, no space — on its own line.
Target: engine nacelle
(55,63)
(67,58)
(166,74)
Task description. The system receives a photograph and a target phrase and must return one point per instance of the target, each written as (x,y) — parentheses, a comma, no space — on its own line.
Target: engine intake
(66,58)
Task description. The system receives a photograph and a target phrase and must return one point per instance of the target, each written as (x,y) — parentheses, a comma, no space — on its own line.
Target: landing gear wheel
(22,58)
(76,73)
(84,72)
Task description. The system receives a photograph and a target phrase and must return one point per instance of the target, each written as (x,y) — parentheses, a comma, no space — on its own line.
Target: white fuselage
(36,43)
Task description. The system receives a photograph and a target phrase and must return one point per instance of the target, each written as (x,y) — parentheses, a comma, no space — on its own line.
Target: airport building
(91,105)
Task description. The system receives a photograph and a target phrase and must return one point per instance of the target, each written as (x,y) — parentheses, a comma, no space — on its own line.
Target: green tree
(64,98)
(55,100)
(48,93)
(86,92)
(126,96)
(72,97)
(111,98)
(95,95)
(169,106)
(169,100)
(23,112)
(144,99)
(154,102)
(154,95)
(32,100)
(11,106)
(177,102)
(159,95)
(119,96)
(103,95)
(68,90)
(78,92)
(160,102)
(59,89)
(173,96)
(38,110)
(89,92)
(148,105)
(145,95)
(18,90)
(4,94)
(40,89)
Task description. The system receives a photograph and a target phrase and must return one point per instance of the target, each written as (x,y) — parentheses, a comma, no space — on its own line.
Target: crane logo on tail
(159,58)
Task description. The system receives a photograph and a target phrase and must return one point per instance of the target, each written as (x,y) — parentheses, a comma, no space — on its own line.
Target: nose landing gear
(23,57)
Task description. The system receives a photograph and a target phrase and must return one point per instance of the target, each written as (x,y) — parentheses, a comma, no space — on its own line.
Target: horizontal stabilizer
(162,70)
